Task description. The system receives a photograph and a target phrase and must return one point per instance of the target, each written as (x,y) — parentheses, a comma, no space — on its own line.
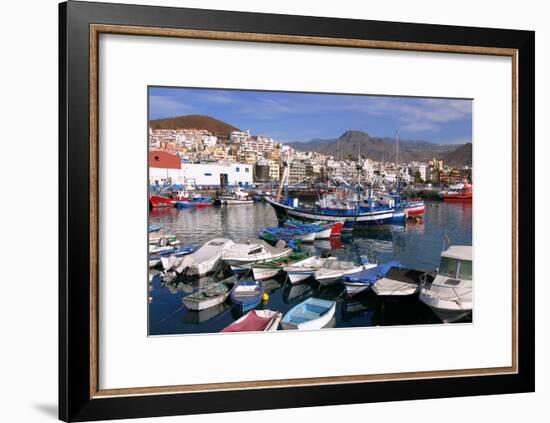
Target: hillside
(380,149)
(215,126)
(462,156)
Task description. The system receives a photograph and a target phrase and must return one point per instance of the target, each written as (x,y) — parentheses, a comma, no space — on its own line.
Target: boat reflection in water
(271,285)
(295,293)
(361,309)
(197,317)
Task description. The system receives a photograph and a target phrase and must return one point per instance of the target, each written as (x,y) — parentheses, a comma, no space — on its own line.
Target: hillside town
(198,157)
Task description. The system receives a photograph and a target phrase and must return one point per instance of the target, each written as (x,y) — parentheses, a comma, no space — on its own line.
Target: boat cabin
(456,263)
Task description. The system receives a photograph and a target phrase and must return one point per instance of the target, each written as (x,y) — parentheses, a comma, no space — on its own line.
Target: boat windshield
(454,268)
(465,270)
(448,267)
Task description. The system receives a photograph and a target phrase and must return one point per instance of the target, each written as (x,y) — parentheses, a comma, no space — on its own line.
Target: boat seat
(304,317)
(315,309)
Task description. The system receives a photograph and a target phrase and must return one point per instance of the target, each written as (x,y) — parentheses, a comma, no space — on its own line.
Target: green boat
(210,296)
(270,269)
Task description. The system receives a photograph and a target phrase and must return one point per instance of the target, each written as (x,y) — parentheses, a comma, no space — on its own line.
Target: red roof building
(164,160)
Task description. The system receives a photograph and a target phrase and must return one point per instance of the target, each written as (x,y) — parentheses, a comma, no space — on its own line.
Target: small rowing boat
(333,270)
(247,294)
(313,313)
(155,227)
(362,280)
(256,321)
(303,269)
(210,296)
(287,234)
(401,282)
(244,254)
(270,269)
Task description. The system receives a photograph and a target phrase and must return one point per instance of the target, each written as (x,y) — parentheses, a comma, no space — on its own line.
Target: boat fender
(265,297)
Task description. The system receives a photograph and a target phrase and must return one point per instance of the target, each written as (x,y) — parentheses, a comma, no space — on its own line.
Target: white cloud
(168,106)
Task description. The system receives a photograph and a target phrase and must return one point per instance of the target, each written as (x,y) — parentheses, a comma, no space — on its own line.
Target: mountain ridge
(351,142)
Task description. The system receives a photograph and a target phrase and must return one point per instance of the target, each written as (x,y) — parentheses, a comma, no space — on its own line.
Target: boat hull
(366,218)
(415,210)
(354,288)
(457,199)
(262,273)
(297,276)
(271,317)
(246,294)
(324,234)
(447,311)
(157,201)
(203,305)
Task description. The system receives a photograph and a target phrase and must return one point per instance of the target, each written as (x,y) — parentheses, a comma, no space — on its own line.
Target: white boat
(162,239)
(206,259)
(155,249)
(400,282)
(332,270)
(450,293)
(248,252)
(363,280)
(313,313)
(263,273)
(209,296)
(238,196)
(169,262)
(303,269)
(323,233)
(154,262)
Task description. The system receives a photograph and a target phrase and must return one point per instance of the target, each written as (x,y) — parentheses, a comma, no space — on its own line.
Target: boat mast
(397,148)
(283,177)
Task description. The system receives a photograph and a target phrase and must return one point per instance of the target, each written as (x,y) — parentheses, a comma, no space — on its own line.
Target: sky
(288,116)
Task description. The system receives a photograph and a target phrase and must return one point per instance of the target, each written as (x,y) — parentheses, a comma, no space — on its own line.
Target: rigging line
(168,316)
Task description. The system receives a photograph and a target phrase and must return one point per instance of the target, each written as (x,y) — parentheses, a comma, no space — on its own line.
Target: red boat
(256,321)
(463,195)
(414,207)
(336,228)
(156,201)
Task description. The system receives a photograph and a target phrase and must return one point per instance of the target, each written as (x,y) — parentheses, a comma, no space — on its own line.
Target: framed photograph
(269,211)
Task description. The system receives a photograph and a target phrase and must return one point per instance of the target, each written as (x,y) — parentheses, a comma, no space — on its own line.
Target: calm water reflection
(414,245)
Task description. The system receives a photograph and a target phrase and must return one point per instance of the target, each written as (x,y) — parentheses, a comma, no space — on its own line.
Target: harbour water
(416,245)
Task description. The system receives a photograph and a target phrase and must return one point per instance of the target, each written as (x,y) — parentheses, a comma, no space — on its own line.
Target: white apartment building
(238,137)
(204,174)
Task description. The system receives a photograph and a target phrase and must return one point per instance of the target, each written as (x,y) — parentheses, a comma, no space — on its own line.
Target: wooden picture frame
(81,23)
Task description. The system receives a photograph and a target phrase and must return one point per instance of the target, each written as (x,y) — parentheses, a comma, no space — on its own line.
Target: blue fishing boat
(361,281)
(184,204)
(287,234)
(313,313)
(354,216)
(247,294)
(155,227)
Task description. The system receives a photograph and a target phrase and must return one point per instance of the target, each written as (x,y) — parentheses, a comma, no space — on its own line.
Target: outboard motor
(325,253)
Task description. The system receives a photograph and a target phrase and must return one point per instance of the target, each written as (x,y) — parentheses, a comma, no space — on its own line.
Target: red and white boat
(463,195)
(157,201)
(414,207)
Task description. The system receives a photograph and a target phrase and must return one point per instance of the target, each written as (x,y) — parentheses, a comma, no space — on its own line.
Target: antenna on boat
(446,238)
(398,189)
